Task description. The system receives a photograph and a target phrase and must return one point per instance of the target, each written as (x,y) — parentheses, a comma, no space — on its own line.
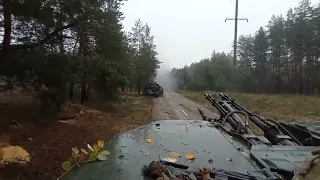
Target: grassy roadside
(49,145)
(284,107)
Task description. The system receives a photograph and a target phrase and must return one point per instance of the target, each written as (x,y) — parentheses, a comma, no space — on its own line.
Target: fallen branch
(66,172)
(19,176)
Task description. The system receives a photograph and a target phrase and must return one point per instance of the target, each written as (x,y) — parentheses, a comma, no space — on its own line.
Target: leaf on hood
(191,155)
(106,153)
(149,140)
(170,159)
(92,157)
(174,154)
(102,157)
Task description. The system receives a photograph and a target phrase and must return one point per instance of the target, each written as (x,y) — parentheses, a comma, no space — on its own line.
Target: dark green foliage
(55,46)
(214,73)
(144,59)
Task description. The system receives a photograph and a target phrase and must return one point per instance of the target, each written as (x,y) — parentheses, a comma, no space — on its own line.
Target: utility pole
(236,19)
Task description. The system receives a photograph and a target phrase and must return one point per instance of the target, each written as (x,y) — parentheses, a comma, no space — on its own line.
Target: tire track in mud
(176,107)
(162,109)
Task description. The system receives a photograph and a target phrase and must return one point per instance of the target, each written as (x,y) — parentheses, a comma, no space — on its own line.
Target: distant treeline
(283,57)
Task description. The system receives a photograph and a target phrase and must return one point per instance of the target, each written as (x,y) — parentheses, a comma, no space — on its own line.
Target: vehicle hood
(184,136)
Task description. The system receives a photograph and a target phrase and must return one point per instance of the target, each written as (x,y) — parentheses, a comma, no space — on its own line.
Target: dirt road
(174,106)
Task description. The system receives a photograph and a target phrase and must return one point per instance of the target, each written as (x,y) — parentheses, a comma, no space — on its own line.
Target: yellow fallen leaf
(174,154)
(191,156)
(145,153)
(170,159)
(149,140)
(100,143)
(14,154)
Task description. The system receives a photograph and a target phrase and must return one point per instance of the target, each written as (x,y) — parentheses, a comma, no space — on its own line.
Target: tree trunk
(87,93)
(138,86)
(7,33)
(288,74)
(83,91)
(71,87)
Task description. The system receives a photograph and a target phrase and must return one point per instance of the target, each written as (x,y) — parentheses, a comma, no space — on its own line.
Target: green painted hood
(183,136)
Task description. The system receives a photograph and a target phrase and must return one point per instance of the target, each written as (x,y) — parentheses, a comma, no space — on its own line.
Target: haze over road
(175,106)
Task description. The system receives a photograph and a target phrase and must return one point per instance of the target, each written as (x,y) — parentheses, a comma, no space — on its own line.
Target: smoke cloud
(165,79)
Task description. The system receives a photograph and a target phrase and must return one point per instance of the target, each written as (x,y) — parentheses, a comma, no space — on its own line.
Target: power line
(236,19)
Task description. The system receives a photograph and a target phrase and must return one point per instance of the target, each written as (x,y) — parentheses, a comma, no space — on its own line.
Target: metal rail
(229,109)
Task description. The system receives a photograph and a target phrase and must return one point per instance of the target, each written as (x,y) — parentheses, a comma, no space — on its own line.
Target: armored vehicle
(223,148)
(153,89)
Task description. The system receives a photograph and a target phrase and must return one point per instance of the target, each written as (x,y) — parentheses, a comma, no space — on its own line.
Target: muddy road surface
(175,106)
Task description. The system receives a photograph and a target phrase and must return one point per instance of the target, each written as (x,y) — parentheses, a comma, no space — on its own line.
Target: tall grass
(281,107)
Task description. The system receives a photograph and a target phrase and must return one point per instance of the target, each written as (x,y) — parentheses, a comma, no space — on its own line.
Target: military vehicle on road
(153,89)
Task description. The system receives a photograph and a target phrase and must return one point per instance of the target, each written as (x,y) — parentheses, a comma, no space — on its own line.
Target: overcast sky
(187,31)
